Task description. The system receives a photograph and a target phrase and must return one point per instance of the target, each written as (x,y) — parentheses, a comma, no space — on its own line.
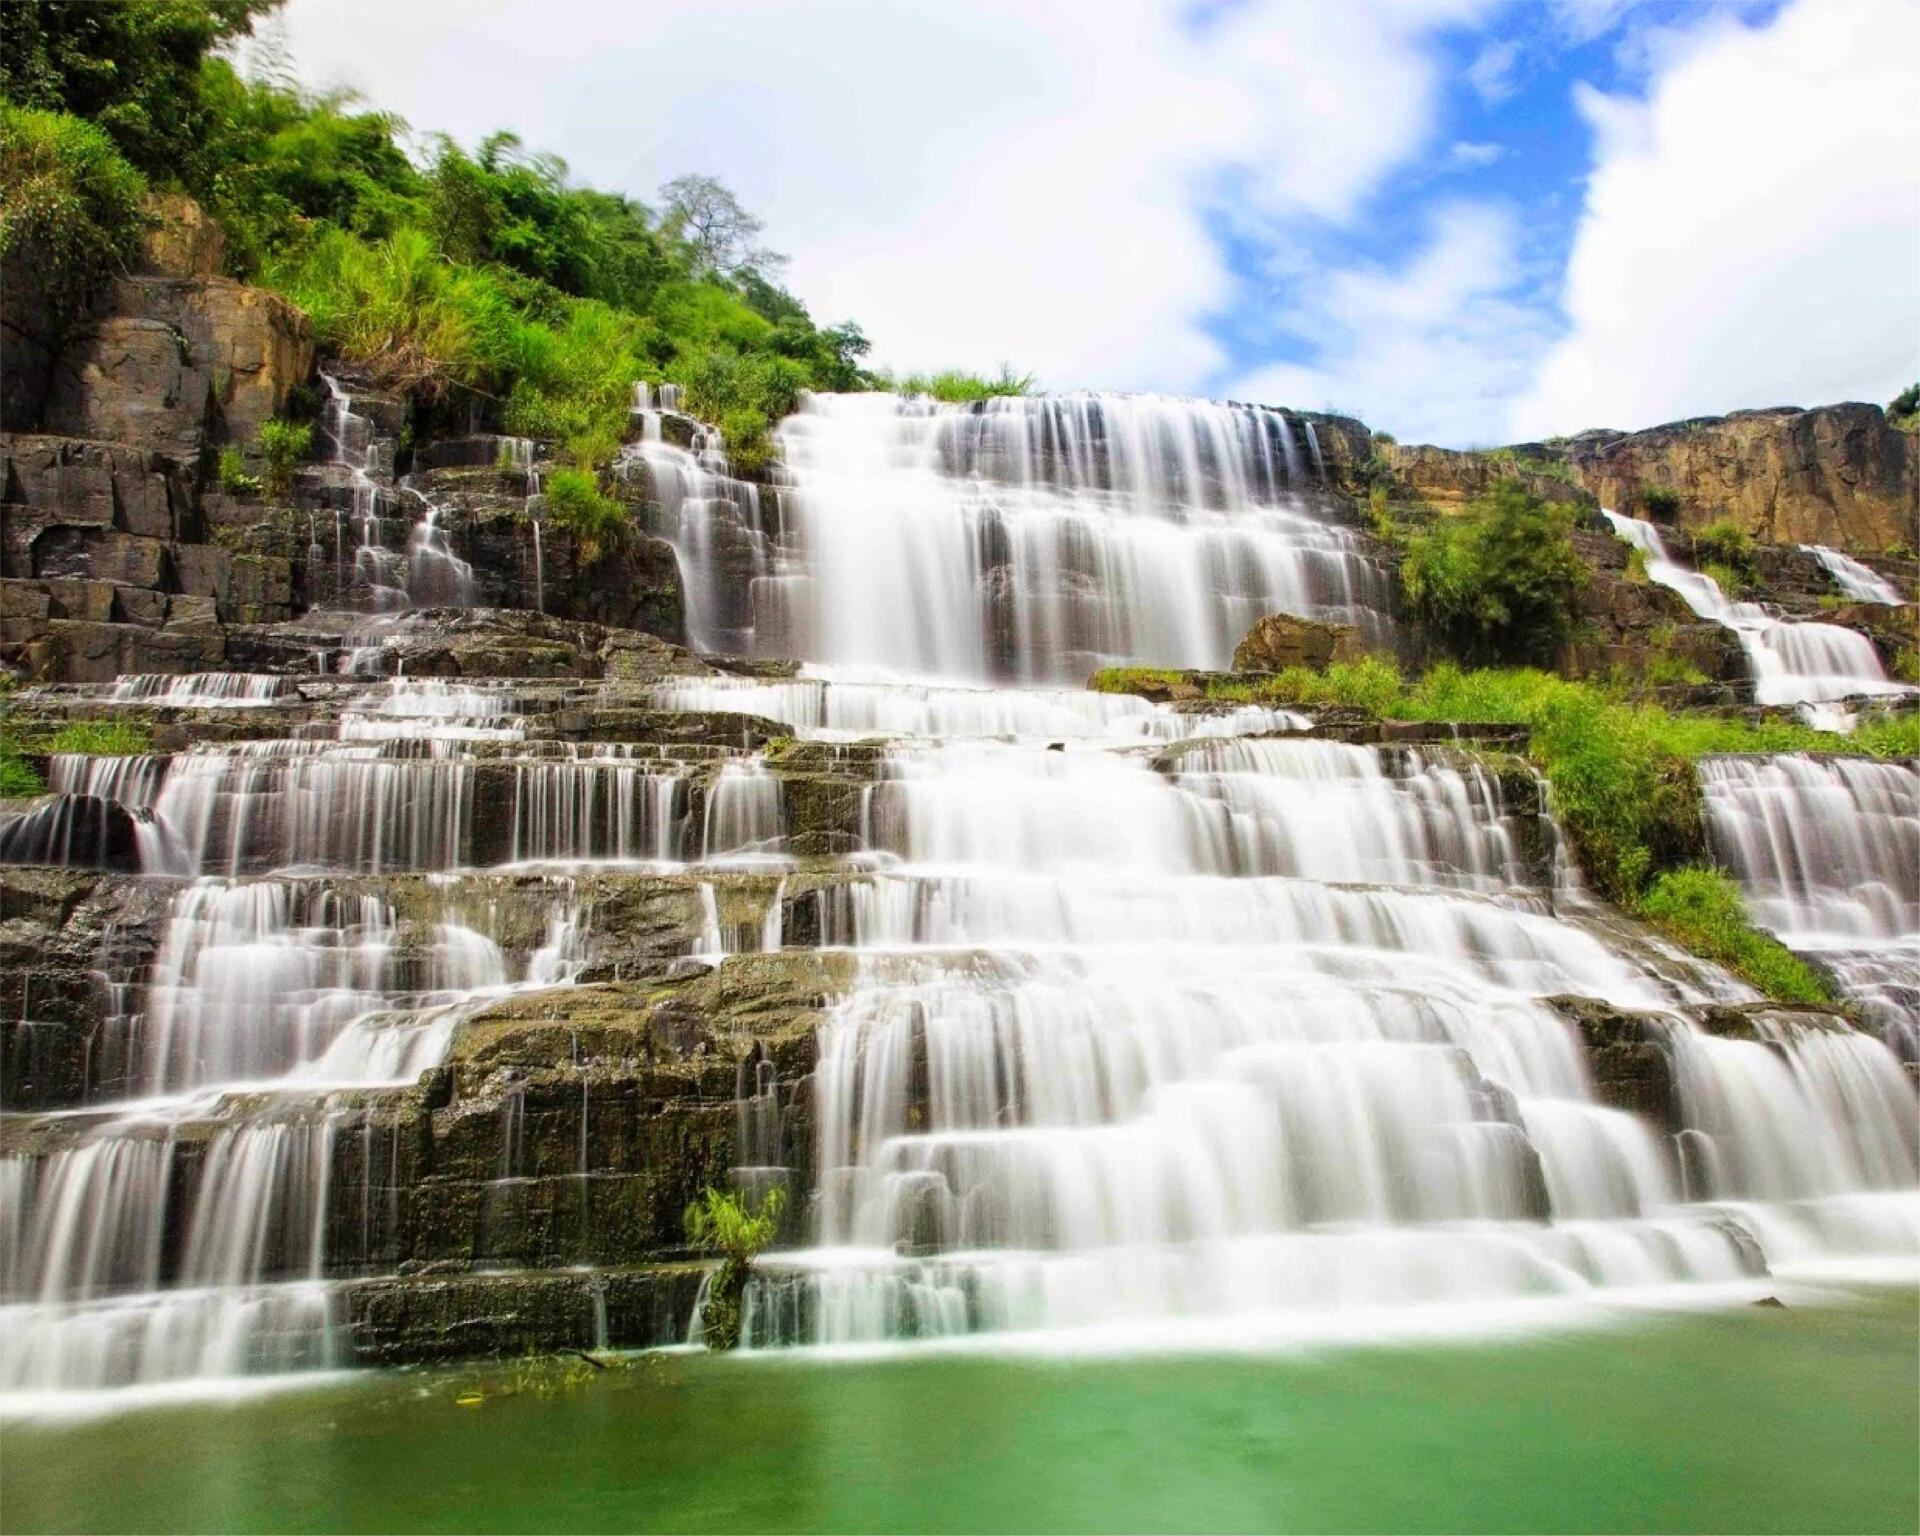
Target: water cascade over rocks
(1811,665)
(1017,540)
(1119,1020)
(1828,852)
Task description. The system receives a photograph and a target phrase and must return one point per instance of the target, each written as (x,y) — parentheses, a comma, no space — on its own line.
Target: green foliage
(1889,736)
(1500,579)
(69,204)
(131,66)
(723,1223)
(234,479)
(1730,579)
(411,319)
(1659,502)
(1724,542)
(1904,408)
(1385,437)
(574,501)
(100,738)
(282,445)
(1637,565)
(1703,910)
(956,386)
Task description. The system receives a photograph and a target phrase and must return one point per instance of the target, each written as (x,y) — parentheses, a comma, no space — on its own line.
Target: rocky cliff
(1839,475)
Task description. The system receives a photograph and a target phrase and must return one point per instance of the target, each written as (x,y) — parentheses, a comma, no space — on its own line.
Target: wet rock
(1627,1054)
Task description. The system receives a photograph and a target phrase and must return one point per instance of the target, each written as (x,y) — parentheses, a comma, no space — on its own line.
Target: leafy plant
(722,1223)
(1730,579)
(1904,405)
(1725,542)
(69,204)
(1659,502)
(574,501)
(282,445)
(234,479)
(1499,579)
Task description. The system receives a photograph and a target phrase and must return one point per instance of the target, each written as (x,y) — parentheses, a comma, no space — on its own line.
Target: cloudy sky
(1467,221)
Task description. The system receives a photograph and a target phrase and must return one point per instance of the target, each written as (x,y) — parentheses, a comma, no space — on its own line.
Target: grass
(1703,910)
(69,204)
(956,386)
(90,738)
(1619,773)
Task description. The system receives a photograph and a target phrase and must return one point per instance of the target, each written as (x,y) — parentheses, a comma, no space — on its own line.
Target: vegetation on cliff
(69,203)
(483,274)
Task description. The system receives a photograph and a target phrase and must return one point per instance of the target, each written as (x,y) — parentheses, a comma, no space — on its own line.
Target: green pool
(1748,1419)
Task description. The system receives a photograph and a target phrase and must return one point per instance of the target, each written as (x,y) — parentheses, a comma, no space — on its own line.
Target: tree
(1499,580)
(131,66)
(709,220)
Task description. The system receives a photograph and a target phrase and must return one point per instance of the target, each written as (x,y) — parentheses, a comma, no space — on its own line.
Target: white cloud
(1431,350)
(1001,179)
(1491,72)
(1751,234)
(1465,154)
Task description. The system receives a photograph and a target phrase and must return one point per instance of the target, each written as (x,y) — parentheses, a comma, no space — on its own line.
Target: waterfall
(1827,850)
(1811,665)
(1860,582)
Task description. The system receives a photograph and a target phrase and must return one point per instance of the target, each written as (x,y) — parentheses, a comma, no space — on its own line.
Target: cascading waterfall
(1827,850)
(1858,581)
(1811,665)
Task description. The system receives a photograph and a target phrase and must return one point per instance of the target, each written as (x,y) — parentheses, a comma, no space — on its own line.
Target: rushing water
(1828,851)
(1163,1024)
(1811,665)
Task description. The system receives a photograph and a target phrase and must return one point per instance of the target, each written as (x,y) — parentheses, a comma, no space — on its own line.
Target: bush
(573,501)
(411,319)
(69,204)
(1905,404)
(722,1223)
(1659,503)
(100,738)
(1724,542)
(956,386)
(234,479)
(282,444)
(1498,580)
(1704,911)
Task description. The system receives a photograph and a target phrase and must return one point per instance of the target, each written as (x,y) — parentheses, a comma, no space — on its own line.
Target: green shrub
(17,777)
(1637,565)
(411,319)
(234,479)
(1889,735)
(1498,580)
(1724,542)
(282,445)
(956,386)
(69,204)
(723,1223)
(1385,437)
(1905,404)
(744,433)
(1730,579)
(573,501)
(1659,502)
(1703,910)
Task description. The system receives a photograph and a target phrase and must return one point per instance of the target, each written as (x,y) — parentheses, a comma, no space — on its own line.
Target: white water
(1024,540)
(1811,665)
(1828,853)
(1860,582)
(1157,1016)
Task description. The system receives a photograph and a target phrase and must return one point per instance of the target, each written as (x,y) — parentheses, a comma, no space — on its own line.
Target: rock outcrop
(1839,475)
(1280,640)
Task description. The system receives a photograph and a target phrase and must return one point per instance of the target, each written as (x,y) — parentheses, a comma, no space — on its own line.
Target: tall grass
(957,386)
(69,204)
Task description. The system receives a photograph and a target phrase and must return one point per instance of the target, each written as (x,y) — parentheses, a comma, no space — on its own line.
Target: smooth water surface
(1747,1419)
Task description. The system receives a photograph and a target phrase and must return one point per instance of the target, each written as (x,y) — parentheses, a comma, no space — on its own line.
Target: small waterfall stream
(1807,664)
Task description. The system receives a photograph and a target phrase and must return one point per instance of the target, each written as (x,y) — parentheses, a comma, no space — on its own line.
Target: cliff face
(1838,474)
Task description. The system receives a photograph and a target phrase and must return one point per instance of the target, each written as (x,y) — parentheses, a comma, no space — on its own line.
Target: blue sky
(1468,221)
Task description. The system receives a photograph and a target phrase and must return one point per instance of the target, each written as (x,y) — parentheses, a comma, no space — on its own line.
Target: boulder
(180,239)
(1281,640)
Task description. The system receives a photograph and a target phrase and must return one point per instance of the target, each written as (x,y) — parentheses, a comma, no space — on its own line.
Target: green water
(1803,1419)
